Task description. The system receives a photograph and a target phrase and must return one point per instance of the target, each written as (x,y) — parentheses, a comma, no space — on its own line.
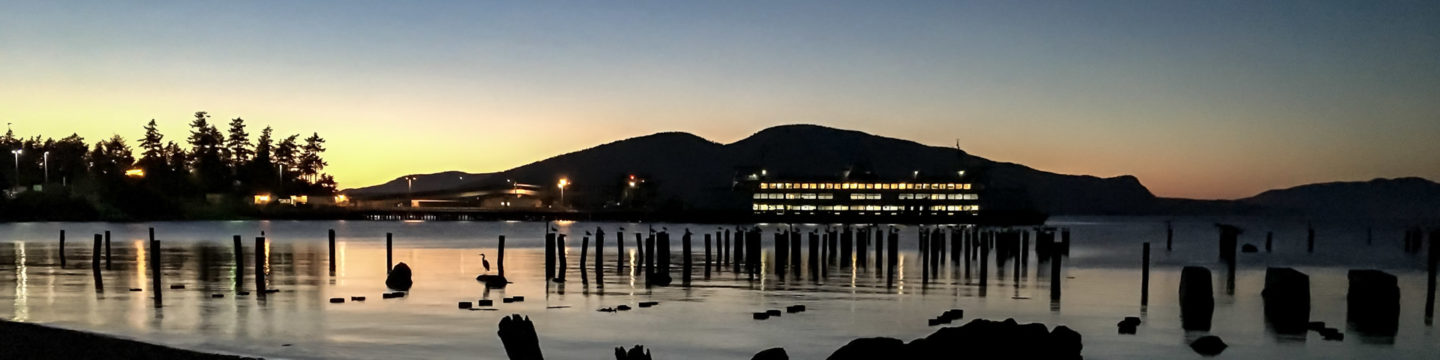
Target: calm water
(710,319)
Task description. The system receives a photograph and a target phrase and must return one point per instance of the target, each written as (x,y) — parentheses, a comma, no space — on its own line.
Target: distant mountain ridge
(697,173)
(1409,197)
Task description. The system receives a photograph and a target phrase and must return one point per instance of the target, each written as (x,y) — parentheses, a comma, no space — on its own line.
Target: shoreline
(36,341)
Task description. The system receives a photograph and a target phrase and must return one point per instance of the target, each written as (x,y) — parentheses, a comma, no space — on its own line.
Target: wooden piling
(862,242)
(685,260)
(620,252)
(584,255)
(389,252)
(1310,239)
(95,263)
(260,260)
(1269,241)
(814,256)
(155,269)
(969,248)
(893,257)
(62,249)
(782,250)
(925,254)
(1169,236)
(599,257)
(332,251)
(560,263)
(549,253)
(1145,274)
(107,251)
(708,263)
(662,257)
(984,266)
(500,256)
(649,259)
(1055,280)
(239,265)
(795,253)
(1430,267)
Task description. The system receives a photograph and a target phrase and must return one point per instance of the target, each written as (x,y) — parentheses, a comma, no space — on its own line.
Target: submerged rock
(636,352)
(1210,345)
(978,339)
(399,278)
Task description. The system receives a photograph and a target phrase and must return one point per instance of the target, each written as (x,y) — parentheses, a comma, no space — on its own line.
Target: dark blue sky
(1212,99)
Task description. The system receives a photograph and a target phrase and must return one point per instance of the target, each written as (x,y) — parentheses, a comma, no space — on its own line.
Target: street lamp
(46,163)
(563,182)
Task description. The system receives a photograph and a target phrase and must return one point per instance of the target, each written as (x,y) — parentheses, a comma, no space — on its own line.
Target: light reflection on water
(708,320)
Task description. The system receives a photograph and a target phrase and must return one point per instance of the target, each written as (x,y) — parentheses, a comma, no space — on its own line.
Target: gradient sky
(1204,99)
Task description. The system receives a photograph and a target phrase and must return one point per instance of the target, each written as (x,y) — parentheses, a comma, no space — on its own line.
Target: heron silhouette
(484,263)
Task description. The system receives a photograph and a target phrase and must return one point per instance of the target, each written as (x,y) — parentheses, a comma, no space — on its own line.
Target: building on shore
(821,198)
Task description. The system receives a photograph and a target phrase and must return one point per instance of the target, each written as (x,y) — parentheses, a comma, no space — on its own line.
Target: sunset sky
(1204,99)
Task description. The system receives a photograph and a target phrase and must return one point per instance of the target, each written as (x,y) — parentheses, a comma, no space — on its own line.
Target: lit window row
(863,196)
(779,207)
(864,186)
(939,196)
(793,196)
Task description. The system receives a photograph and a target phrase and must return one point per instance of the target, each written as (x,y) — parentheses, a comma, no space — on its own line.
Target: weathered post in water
(662,255)
(1310,239)
(599,257)
(332,252)
(1056,281)
(924,256)
(62,249)
(1229,237)
(260,261)
(1269,240)
(1430,265)
(95,263)
(549,253)
(862,241)
(560,262)
(584,255)
(1145,274)
(1169,236)
(893,243)
(107,251)
(155,269)
(239,265)
(1197,300)
(389,252)
(708,263)
(814,256)
(985,266)
(649,259)
(500,256)
(795,253)
(620,252)
(685,261)
(782,248)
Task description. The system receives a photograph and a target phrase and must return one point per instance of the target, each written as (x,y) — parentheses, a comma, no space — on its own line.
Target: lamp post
(17,152)
(562,184)
(46,164)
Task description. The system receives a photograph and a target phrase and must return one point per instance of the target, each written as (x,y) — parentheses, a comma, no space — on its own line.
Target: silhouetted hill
(1409,197)
(697,173)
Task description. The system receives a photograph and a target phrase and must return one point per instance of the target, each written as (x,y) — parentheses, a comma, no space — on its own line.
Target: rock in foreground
(399,278)
(978,339)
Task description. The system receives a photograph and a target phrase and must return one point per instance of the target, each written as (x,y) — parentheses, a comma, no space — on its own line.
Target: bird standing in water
(484,263)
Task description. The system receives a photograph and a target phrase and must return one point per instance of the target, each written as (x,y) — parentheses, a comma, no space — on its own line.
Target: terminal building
(849,199)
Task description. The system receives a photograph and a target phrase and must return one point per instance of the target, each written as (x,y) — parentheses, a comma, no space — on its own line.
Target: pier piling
(500,256)
(62,249)
(685,259)
(260,266)
(1310,239)
(107,251)
(1430,267)
(332,251)
(1169,236)
(814,256)
(708,263)
(893,257)
(549,253)
(584,255)
(389,252)
(239,265)
(560,263)
(1145,274)
(599,257)
(95,263)
(155,269)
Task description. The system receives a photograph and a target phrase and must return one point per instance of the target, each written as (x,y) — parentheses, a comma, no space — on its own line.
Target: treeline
(208,174)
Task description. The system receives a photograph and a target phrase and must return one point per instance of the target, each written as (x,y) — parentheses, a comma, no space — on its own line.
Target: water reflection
(705,320)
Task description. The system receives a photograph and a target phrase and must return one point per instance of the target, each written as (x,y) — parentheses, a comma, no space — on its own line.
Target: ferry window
(807,196)
(827,196)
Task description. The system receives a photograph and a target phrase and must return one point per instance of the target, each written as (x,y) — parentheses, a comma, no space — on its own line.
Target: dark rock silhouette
(979,339)
(1209,345)
(870,348)
(32,341)
(1197,298)
(1287,300)
(1373,302)
(1128,325)
(636,352)
(771,354)
(399,278)
(518,336)
(493,281)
